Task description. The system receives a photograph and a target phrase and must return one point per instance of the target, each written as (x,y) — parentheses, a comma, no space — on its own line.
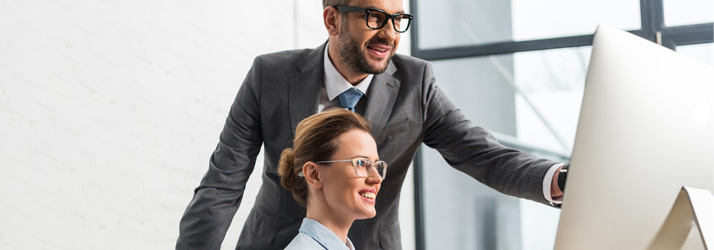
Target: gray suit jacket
(406,109)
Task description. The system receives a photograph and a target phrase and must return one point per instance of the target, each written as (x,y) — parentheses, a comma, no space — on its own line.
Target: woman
(334,170)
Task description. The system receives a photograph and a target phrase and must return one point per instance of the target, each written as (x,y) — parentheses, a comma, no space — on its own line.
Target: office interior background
(110,110)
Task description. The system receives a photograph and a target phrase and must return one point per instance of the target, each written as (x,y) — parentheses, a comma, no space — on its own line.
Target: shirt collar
(324,236)
(335,83)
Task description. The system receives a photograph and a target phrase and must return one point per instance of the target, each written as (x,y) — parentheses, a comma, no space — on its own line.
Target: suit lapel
(381,97)
(304,87)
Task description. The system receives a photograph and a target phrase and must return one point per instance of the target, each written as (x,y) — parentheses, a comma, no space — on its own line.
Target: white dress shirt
(335,84)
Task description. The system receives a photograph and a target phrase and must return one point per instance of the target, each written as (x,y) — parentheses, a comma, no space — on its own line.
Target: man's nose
(388,31)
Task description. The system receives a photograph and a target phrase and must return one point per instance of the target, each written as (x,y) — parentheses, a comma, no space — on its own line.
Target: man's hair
(326,3)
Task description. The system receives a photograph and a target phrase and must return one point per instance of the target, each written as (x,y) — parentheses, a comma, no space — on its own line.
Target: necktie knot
(350,98)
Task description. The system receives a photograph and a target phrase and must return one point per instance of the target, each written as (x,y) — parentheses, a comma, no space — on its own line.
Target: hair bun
(286,169)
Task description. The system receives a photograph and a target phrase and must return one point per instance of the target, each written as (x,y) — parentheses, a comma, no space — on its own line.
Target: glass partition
(684,12)
(503,94)
(495,60)
(701,52)
(459,23)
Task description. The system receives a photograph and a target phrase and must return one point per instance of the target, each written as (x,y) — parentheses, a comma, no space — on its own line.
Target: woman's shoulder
(303,241)
(314,235)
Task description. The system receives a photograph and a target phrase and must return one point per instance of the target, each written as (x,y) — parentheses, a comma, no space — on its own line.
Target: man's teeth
(379,49)
(369,195)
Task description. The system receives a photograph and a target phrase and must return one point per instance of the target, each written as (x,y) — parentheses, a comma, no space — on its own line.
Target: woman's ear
(311,171)
(331,17)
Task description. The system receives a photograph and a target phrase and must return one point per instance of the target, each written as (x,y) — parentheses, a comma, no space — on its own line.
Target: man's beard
(353,55)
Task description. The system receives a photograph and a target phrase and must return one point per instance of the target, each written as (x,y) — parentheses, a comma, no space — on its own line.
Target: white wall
(109,111)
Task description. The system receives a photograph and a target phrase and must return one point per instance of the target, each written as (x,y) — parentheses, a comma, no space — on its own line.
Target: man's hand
(555,191)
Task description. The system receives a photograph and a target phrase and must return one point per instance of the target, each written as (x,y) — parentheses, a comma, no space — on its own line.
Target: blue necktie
(350,98)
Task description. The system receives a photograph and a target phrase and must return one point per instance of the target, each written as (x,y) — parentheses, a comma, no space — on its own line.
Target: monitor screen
(646,128)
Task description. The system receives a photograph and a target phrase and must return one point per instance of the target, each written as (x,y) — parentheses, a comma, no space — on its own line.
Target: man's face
(365,50)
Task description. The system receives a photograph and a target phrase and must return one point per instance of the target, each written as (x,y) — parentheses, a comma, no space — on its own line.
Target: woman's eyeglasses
(363,166)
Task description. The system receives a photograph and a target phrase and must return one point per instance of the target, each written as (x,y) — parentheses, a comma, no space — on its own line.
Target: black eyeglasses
(376,19)
(363,166)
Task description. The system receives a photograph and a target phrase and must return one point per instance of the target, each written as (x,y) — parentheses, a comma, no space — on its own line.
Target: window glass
(470,22)
(527,99)
(702,52)
(683,12)
(503,94)
(550,84)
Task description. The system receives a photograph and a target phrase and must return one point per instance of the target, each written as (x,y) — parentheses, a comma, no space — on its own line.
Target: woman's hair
(315,141)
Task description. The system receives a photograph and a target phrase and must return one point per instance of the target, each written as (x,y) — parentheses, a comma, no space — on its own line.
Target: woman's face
(345,193)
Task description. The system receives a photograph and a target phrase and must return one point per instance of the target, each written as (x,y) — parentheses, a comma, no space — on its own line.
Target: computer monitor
(646,128)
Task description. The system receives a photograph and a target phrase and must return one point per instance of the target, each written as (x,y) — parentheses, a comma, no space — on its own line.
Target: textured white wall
(109,111)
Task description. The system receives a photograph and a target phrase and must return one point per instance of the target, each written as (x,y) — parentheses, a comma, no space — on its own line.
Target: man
(396,93)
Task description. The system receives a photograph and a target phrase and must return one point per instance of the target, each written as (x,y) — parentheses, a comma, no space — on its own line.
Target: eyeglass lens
(377,19)
(364,166)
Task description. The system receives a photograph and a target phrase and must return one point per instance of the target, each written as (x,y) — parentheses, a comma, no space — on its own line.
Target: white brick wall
(109,111)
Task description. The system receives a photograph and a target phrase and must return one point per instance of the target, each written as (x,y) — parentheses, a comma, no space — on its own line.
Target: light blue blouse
(313,235)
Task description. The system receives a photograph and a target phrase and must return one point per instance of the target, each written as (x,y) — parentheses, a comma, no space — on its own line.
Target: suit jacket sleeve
(216,199)
(474,151)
